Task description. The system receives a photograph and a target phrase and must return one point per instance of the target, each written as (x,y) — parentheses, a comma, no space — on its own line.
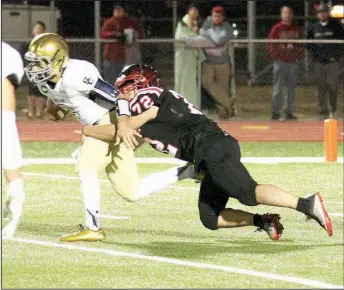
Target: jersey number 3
(191,107)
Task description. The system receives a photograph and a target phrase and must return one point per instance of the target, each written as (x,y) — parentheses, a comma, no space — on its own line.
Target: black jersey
(179,128)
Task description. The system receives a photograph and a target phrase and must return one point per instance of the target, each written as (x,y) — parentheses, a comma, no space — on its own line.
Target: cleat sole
(328,222)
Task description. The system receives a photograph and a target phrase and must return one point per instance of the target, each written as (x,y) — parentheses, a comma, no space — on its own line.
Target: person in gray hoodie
(216,68)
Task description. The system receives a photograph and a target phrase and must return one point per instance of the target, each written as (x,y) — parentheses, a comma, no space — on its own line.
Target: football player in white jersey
(76,86)
(12,73)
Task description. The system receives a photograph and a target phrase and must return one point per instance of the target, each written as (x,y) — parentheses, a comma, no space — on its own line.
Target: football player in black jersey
(172,125)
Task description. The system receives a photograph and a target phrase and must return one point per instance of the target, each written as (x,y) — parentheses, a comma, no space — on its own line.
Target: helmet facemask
(39,69)
(131,82)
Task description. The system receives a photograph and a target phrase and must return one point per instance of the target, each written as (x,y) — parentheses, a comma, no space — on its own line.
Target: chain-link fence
(251,77)
(253,97)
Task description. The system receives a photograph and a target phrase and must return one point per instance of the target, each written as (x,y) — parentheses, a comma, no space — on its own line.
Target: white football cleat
(318,212)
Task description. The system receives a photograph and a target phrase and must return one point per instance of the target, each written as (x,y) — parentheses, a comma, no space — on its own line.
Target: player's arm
(108,132)
(138,121)
(54,112)
(127,134)
(100,132)
(8,100)
(127,126)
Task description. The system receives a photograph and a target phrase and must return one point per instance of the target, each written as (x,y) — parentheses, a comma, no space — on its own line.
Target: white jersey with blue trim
(82,91)
(11,64)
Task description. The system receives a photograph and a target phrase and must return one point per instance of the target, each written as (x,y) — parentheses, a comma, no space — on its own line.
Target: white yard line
(252,273)
(337,202)
(336,214)
(114,217)
(150,160)
(107,181)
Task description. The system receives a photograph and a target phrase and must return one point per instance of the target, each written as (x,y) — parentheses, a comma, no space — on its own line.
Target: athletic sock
(303,205)
(258,220)
(90,189)
(186,171)
(158,181)
(16,196)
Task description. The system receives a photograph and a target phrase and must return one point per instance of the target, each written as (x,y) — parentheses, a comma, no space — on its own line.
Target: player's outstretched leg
(270,223)
(213,214)
(229,174)
(312,205)
(123,174)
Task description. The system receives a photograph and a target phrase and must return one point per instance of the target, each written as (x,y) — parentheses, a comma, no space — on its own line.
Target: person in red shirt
(126,50)
(286,58)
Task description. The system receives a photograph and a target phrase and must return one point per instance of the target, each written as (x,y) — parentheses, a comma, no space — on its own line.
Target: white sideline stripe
(150,160)
(336,214)
(114,217)
(291,279)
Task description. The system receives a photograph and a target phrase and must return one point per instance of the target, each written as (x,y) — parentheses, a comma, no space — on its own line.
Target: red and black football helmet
(136,76)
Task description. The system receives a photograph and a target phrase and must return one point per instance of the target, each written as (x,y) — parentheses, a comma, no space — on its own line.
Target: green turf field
(159,242)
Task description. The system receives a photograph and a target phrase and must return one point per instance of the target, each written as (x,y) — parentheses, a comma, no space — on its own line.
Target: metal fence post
(306,59)
(251,53)
(175,5)
(52,19)
(199,82)
(96,34)
(232,62)
(29,24)
(174,23)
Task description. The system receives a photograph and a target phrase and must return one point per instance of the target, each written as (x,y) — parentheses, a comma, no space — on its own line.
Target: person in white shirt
(76,86)
(12,73)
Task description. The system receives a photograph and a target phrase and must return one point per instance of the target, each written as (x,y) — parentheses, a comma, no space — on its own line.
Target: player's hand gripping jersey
(179,128)
(82,91)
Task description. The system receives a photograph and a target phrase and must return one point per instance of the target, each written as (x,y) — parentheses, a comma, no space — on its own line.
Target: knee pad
(208,216)
(11,151)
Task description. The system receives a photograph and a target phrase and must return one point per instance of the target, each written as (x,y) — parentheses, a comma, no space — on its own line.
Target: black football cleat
(272,226)
(318,212)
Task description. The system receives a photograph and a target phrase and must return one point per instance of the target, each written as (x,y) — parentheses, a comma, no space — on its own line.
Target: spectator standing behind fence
(286,58)
(126,50)
(186,60)
(216,68)
(327,60)
(35,99)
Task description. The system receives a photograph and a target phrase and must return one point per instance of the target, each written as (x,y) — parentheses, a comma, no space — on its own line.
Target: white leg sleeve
(158,181)
(90,188)
(11,152)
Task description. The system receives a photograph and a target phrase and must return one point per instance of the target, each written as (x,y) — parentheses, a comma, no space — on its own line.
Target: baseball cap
(322,8)
(219,9)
